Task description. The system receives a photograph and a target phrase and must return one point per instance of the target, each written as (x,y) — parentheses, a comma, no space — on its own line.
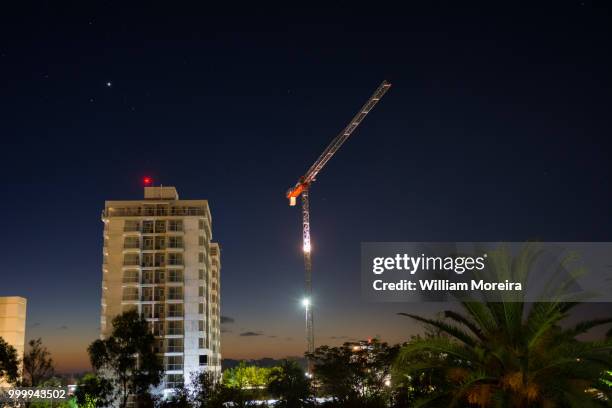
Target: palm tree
(509,354)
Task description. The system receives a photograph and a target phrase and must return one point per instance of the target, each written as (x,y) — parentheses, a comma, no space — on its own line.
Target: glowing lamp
(306,302)
(147,181)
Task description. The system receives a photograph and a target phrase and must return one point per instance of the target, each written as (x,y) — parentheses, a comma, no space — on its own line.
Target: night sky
(497,127)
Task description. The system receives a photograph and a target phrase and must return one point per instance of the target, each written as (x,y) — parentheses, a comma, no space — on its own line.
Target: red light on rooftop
(147,181)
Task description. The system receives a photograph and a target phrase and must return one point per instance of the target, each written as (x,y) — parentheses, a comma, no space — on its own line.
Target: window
(201,240)
(147,294)
(158,346)
(201,308)
(160,276)
(201,325)
(201,342)
(175,310)
(203,359)
(147,277)
(175,225)
(159,294)
(174,380)
(175,259)
(131,259)
(175,327)
(147,311)
(174,363)
(130,276)
(175,275)
(157,327)
(201,224)
(130,293)
(158,311)
(160,259)
(131,242)
(147,227)
(175,242)
(160,243)
(201,274)
(175,293)
(147,243)
(201,257)
(131,226)
(201,291)
(160,226)
(175,345)
(147,260)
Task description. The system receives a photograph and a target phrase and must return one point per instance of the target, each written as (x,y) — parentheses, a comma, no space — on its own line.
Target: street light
(306,303)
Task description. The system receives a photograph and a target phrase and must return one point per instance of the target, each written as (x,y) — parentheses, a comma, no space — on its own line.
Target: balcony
(175,262)
(153,211)
(173,331)
(174,367)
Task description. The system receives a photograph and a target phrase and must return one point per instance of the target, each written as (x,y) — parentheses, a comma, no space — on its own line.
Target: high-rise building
(159,260)
(12,324)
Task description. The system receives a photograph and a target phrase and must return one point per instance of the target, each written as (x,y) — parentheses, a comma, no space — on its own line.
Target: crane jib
(337,142)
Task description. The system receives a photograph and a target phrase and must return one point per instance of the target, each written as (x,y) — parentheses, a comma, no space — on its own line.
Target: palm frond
(454,331)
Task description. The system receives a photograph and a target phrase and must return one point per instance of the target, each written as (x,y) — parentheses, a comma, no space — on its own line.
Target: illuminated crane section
(301,188)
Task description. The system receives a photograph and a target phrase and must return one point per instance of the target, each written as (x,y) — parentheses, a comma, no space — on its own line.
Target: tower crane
(302,188)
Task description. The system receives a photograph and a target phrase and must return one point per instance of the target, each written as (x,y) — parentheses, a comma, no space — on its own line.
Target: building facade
(158,258)
(13,324)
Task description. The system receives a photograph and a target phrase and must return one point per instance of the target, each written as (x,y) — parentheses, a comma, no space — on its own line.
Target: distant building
(159,260)
(13,322)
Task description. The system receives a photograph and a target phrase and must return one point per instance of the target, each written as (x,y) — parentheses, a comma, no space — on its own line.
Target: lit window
(174,380)
(174,363)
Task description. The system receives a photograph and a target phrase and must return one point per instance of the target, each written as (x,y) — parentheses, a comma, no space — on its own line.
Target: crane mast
(302,187)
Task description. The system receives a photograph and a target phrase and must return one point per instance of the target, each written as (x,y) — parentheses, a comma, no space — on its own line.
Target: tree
(37,364)
(93,392)
(246,376)
(127,358)
(507,354)
(9,362)
(355,373)
(204,387)
(289,384)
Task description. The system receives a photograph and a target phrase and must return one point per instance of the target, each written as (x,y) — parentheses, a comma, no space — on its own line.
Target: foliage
(205,392)
(246,376)
(37,364)
(507,354)
(9,362)
(289,384)
(126,359)
(355,374)
(93,391)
